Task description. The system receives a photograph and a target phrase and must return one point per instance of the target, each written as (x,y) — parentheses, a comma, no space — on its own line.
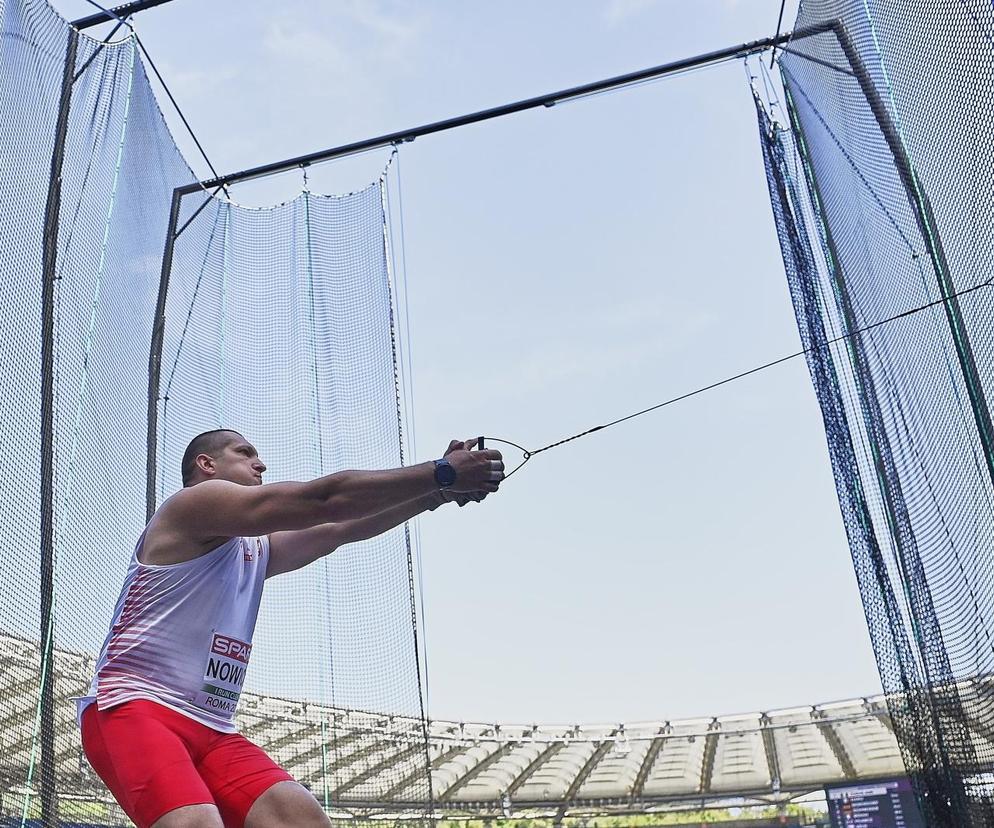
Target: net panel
(115,165)
(888,209)
(279,324)
(318,310)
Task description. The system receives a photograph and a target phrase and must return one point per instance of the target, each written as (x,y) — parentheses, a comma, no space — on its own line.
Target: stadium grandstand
(489,770)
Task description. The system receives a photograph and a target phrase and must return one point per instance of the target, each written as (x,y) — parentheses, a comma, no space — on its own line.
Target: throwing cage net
(277,323)
(881,193)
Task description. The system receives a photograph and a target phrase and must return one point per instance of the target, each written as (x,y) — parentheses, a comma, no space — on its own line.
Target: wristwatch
(445,475)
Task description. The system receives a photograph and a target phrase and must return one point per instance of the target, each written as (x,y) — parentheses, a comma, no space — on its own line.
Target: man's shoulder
(191,496)
(174,531)
(198,489)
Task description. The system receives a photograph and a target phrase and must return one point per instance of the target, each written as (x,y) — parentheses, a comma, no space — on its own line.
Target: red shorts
(155,760)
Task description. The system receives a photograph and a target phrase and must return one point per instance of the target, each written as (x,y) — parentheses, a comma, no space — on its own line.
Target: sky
(565,267)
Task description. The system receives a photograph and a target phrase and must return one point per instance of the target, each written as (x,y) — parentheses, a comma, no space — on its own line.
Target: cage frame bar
(173,229)
(49,277)
(115,13)
(547,100)
(50,243)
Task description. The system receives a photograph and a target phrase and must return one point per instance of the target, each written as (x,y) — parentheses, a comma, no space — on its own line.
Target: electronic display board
(889,803)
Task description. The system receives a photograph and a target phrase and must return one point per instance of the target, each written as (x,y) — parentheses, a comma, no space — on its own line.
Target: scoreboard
(889,803)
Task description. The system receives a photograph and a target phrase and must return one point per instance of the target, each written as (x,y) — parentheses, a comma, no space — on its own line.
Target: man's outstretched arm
(292,550)
(217,508)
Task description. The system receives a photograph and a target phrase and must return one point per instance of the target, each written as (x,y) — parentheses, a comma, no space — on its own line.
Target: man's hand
(486,467)
(443,496)
(462,499)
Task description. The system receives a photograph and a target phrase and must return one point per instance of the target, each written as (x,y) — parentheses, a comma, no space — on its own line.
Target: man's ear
(206,464)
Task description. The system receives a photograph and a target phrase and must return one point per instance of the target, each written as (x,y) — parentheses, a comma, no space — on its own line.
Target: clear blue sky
(567,266)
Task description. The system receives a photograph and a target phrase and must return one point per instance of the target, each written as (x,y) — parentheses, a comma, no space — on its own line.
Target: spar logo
(231,647)
(224,674)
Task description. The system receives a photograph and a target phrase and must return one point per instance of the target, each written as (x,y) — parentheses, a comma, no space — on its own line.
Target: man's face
(239,462)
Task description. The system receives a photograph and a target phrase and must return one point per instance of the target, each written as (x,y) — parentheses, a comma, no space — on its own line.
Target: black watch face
(445,475)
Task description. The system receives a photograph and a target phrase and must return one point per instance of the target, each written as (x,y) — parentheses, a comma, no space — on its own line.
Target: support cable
(770,86)
(121,14)
(111,14)
(179,111)
(403,412)
(528,454)
(407,350)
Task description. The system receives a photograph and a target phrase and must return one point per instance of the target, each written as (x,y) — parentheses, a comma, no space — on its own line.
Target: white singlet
(182,633)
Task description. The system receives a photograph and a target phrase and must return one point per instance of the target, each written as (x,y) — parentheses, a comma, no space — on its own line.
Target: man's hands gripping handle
(478,473)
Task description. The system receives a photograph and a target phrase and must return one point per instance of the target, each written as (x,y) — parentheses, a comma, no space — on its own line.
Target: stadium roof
(494,769)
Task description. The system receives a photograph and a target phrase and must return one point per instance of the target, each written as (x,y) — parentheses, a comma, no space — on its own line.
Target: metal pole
(155,357)
(898,521)
(49,806)
(49,275)
(113,14)
(547,100)
(922,210)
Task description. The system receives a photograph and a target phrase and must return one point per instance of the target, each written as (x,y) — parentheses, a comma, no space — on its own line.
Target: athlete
(158,723)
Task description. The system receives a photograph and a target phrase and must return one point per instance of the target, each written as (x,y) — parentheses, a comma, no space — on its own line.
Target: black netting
(279,323)
(881,198)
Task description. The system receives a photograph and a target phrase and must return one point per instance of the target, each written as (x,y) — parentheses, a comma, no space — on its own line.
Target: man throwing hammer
(158,723)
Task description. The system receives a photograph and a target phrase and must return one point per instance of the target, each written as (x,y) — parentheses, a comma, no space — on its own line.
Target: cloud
(300,43)
(374,17)
(618,11)
(187,84)
(628,339)
(363,33)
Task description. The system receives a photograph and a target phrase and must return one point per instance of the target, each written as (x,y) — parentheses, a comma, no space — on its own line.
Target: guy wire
(407,375)
(123,22)
(179,111)
(529,454)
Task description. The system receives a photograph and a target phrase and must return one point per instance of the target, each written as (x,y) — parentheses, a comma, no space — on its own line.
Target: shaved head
(211,443)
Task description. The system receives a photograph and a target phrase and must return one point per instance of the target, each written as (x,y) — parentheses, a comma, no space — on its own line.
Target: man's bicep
(219,508)
(293,549)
